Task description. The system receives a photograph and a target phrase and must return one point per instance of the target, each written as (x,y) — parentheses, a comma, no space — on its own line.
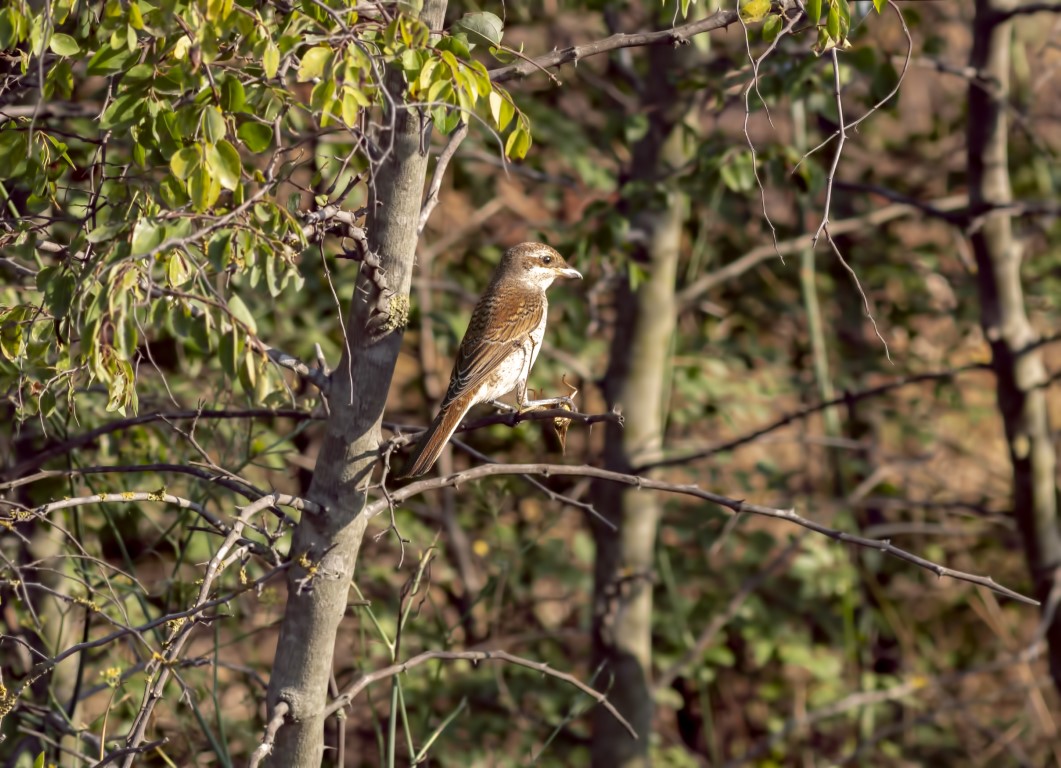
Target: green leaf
(185,162)
(832,23)
(224,163)
(483,28)
(248,372)
(233,96)
(213,124)
(136,18)
(271,283)
(357,95)
(753,11)
(322,95)
(64,45)
(518,143)
(177,271)
(147,234)
(257,136)
(350,108)
(313,63)
(106,232)
(880,5)
(271,60)
(814,10)
(124,111)
(496,102)
(771,28)
(121,388)
(108,60)
(172,192)
(229,347)
(242,314)
(12,333)
(58,286)
(203,188)
(508,111)
(445,119)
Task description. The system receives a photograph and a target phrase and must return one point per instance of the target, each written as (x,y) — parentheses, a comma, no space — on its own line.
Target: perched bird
(499,347)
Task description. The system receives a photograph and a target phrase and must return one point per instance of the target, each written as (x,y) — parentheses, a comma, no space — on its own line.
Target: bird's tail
(434,440)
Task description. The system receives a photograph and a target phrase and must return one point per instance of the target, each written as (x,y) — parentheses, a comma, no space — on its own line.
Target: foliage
(172,185)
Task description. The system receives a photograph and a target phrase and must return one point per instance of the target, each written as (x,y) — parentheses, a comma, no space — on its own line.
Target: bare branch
(510,420)
(474,656)
(763,253)
(736,505)
(75,443)
(160,668)
(441,164)
(675,36)
(242,487)
(265,748)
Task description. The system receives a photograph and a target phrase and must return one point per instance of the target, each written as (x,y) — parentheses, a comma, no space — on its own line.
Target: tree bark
(325,547)
(1020,373)
(637,380)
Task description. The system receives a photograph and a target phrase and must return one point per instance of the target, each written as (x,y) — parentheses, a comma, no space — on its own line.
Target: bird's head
(535,265)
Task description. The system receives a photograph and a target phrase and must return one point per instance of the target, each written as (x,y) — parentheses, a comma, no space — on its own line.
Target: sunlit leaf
(147,234)
(753,11)
(313,63)
(203,188)
(482,28)
(242,314)
(177,270)
(64,45)
(271,60)
(213,124)
(832,23)
(184,162)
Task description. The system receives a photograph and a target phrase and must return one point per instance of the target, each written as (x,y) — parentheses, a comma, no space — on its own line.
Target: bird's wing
(498,326)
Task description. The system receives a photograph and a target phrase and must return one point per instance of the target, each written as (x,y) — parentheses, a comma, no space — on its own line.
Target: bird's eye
(547,259)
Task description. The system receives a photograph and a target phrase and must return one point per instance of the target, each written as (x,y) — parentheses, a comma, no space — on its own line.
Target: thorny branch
(674,36)
(736,505)
(160,671)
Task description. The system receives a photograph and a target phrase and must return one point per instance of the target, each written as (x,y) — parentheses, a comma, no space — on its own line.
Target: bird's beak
(569,272)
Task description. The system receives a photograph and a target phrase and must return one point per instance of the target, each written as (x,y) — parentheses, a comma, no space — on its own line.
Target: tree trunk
(637,380)
(1019,370)
(329,543)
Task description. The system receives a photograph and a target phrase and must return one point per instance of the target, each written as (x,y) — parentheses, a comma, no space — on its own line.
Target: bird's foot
(549,402)
(504,407)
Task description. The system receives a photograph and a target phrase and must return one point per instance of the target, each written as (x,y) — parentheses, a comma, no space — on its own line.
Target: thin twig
(474,657)
(441,164)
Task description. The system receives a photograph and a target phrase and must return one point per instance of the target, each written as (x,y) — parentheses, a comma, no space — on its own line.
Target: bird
(501,344)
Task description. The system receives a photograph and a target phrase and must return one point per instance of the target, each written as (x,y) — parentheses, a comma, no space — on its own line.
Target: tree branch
(73,444)
(758,255)
(736,505)
(675,36)
(441,164)
(473,656)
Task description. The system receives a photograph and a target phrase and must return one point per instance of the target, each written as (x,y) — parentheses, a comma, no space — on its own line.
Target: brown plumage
(499,347)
